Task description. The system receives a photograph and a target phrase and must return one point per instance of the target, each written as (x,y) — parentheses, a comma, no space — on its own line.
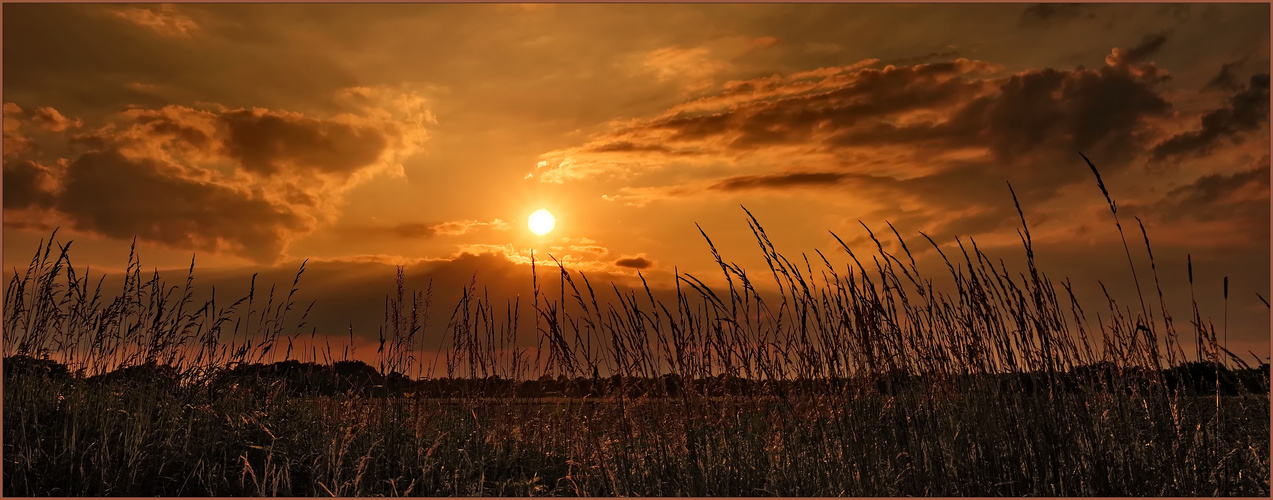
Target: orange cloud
(694,67)
(44,118)
(163,19)
(242,181)
(14,142)
(423,230)
(50,119)
(867,119)
(928,146)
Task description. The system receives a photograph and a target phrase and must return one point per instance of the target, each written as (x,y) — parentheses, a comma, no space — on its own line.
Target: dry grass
(860,381)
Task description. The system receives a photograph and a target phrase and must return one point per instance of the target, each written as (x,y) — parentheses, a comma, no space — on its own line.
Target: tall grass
(862,380)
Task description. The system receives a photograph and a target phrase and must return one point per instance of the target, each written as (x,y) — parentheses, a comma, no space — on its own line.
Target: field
(863,381)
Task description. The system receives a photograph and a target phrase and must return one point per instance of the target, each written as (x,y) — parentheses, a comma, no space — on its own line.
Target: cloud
(412,230)
(1149,45)
(899,121)
(50,119)
(1214,211)
(581,254)
(780,180)
(47,119)
(931,56)
(634,262)
(242,181)
(1044,15)
(927,146)
(1225,80)
(1104,110)
(459,227)
(122,197)
(28,184)
(1247,110)
(1242,195)
(268,143)
(163,19)
(15,143)
(693,67)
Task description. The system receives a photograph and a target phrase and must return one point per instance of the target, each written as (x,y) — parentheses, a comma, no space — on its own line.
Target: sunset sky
(363,137)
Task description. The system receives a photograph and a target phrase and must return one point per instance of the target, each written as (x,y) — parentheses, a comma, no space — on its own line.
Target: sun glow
(541,222)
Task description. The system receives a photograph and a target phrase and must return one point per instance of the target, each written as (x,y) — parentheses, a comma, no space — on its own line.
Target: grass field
(862,381)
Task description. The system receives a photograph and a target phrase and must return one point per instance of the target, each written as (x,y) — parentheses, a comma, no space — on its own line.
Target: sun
(541,222)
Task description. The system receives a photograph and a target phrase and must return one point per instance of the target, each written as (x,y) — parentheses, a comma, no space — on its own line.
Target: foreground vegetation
(861,381)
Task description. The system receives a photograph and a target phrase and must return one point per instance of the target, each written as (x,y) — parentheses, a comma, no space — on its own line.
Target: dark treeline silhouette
(357,378)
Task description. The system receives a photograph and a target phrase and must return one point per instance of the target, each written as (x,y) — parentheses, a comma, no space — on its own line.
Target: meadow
(864,380)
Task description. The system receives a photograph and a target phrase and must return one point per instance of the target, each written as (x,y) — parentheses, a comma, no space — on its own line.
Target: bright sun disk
(541,222)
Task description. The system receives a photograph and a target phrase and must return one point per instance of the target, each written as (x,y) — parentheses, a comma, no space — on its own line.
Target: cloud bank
(243,181)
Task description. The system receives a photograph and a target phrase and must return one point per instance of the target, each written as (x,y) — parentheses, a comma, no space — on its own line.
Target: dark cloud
(1241,196)
(774,181)
(1246,111)
(784,114)
(625,146)
(260,141)
(1051,14)
(1149,45)
(1088,110)
(266,142)
(945,117)
(1226,80)
(942,136)
(28,184)
(630,147)
(242,181)
(634,262)
(690,127)
(110,194)
(941,106)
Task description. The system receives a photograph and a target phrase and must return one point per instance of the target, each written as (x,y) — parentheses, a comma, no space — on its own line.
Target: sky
(366,137)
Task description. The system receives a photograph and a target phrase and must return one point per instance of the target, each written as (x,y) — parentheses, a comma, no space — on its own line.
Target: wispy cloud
(164,19)
(693,67)
(413,230)
(776,181)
